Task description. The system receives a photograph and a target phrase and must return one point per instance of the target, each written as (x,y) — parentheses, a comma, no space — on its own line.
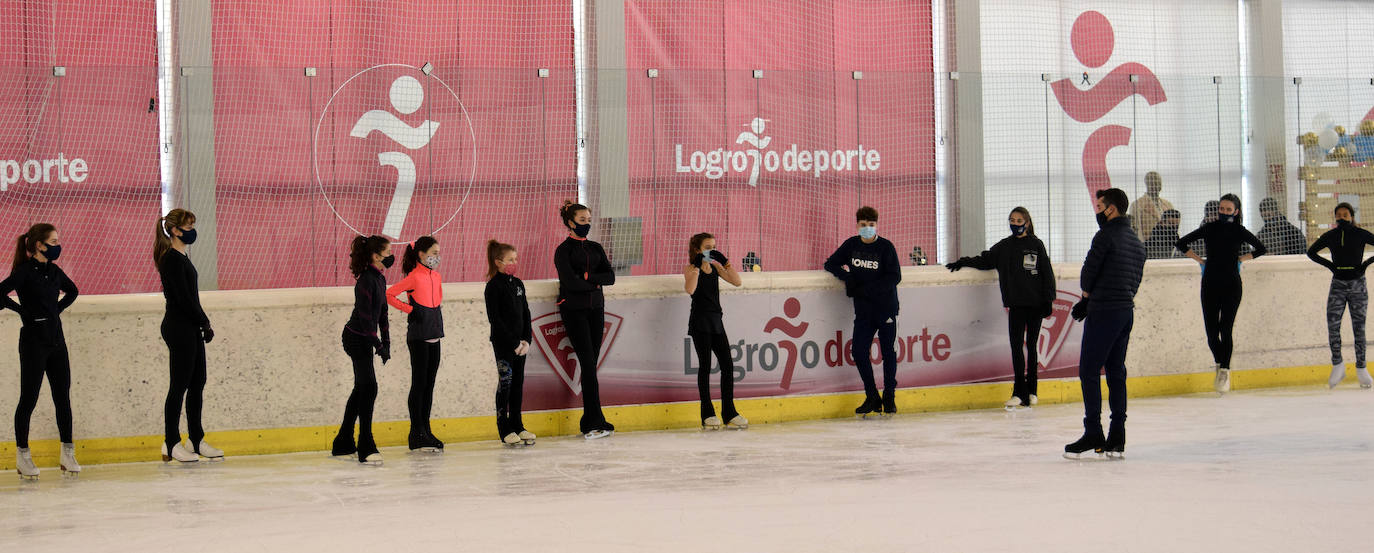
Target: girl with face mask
(367,333)
(583,269)
(1346,242)
(42,346)
(186,330)
(1221,285)
(424,290)
(706,267)
(1028,290)
(509,315)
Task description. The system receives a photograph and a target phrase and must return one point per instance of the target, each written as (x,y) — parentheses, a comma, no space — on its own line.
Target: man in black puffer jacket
(1111,275)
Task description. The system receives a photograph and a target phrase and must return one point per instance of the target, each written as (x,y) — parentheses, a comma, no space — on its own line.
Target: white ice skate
(596,434)
(1337,375)
(738,422)
(68,462)
(178,454)
(512,439)
(1012,404)
(23,464)
(1223,381)
(209,452)
(374,459)
(527,437)
(711,423)
(1365,381)
(1034,400)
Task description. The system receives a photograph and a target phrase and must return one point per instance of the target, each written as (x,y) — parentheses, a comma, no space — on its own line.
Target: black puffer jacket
(1113,267)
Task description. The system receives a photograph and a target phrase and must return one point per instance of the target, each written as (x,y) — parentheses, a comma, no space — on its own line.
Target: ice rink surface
(1272,470)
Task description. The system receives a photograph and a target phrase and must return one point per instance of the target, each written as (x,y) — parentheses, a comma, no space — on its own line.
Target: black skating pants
(186,361)
(718,344)
(510,384)
(864,329)
(39,357)
(1220,301)
(424,368)
(364,395)
(586,330)
(1023,328)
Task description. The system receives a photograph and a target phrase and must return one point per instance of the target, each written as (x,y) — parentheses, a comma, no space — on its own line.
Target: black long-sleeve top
(369,318)
(1346,243)
(1224,242)
(872,278)
(583,269)
(181,287)
(38,285)
(508,312)
(1114,266)
(1024,273)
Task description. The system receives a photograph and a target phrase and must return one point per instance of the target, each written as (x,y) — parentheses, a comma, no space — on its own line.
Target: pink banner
(792,344)
(80,151)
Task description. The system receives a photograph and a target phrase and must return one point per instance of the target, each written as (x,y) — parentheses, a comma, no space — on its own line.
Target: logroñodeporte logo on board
(552,338)
(755,157)
(34,171)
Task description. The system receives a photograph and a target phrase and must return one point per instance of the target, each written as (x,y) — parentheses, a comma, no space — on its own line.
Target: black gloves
(719,257)
(207,333)
(1080,310)
(955,266)
(384,350)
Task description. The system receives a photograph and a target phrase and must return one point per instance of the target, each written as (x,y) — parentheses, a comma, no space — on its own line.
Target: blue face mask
(868,233)
(1016,230)
(53,252)
(706,254)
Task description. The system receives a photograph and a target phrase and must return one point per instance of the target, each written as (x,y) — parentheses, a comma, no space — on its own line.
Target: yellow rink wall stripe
(662,416)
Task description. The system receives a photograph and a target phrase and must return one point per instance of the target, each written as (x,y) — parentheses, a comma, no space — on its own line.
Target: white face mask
(431,261)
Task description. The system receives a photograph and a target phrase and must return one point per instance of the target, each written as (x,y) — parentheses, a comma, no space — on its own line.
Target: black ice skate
(1090,446)
(872,405)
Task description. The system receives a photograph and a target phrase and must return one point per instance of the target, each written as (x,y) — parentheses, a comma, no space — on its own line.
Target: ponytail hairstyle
(1030,226)
(1235,201)
(361,252)
(27,245)
(411,258)
(694,247)
(175,218)
(569,211)
(496,250)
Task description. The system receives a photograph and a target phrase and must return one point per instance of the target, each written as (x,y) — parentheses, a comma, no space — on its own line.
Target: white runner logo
(717,163)
(406,96)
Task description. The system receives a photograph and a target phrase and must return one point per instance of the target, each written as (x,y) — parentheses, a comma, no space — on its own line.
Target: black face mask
(188,237)
(1226,218)
(53,252)
(389,260)
(1101,218)
(1339,222)
(582,230)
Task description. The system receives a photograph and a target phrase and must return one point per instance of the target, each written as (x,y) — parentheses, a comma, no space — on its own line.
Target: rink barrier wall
(277,371)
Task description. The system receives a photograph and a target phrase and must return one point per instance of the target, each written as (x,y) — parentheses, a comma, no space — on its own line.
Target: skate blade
(71,473)
(213,459)
(26,477)
(169,460)
(1116,455)
(370,463)
(596,435)
(1085,456)
(425,450)
(738,427)
(516,445)
(528,442)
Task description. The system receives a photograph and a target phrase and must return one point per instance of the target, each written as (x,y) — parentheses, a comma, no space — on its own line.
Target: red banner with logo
(420,118)
(769,123)
(80,150)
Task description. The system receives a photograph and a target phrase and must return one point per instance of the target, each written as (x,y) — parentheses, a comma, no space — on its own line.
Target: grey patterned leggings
(1356,295)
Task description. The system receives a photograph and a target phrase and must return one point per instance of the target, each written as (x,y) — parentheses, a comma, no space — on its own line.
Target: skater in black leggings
(509,315)
(424,289)
(186,330)
(367,333)
(42,346)
(706,327)
(583,269)
(1221,284)
(1026,279)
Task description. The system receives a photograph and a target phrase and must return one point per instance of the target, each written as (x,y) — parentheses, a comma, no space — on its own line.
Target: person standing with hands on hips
(509,314)
(1026,279)
(1111,275)
(583,269)
(868,266)
(1346,243)
(38,281)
